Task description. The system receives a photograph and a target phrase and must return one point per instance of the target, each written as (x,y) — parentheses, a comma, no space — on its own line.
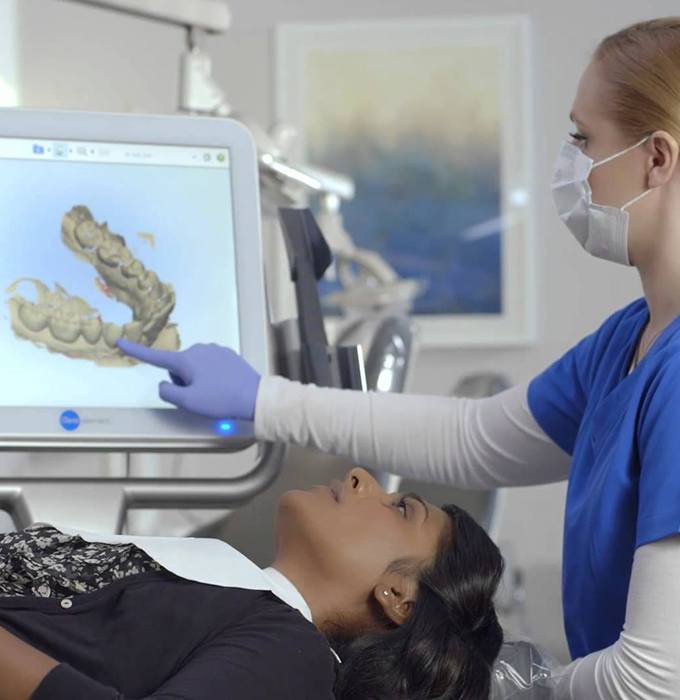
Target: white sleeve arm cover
(644,663)
(467,443)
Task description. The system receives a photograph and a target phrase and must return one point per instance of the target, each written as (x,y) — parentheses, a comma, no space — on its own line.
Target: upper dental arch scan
(67,324)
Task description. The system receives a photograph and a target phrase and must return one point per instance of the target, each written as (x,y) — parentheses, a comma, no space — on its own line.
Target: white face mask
(600,229)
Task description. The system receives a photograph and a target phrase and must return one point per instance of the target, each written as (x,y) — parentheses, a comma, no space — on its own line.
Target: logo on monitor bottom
(69,420)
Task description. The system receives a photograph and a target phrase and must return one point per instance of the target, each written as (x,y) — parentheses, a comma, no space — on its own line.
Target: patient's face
(352,530)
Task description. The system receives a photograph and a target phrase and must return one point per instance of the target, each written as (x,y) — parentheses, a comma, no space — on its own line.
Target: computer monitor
(142,226)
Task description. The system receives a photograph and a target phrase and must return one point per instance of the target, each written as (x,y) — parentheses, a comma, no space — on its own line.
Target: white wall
(8,53)
(76,57)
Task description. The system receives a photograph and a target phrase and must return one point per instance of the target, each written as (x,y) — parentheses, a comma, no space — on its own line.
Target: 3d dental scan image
(67,324)
(110,241)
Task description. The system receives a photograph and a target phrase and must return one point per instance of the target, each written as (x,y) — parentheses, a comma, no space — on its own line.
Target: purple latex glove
(210,380)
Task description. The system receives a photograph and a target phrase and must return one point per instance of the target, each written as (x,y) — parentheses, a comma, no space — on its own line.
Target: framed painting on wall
(432,120)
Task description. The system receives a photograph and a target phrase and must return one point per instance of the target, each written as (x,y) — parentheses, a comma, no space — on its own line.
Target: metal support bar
(128,493)
(209,15)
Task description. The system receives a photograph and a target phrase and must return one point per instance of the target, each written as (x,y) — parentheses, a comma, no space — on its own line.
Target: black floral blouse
(43,562)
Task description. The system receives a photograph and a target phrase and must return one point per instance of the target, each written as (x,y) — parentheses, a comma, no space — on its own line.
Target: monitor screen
(103,240)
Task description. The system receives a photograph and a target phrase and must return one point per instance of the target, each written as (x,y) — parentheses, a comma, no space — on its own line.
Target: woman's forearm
(466,443)
(22,667)
(645,661)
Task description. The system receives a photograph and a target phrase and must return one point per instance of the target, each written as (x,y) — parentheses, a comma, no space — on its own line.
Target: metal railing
(108,499)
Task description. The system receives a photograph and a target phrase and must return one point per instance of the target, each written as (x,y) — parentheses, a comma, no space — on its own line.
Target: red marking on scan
(103,287)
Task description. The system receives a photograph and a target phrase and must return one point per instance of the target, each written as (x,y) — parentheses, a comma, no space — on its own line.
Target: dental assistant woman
(605,416)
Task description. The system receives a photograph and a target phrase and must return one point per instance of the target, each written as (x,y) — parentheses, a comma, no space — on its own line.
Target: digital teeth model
(68,325)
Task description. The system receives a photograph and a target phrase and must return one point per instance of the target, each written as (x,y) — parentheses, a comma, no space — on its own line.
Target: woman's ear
(396,595)
(664,156)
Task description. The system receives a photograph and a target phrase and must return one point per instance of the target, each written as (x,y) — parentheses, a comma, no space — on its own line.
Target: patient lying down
(401,590)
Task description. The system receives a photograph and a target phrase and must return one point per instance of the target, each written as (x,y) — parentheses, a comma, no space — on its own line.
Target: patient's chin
(293,498)
(305,511)
(317,498)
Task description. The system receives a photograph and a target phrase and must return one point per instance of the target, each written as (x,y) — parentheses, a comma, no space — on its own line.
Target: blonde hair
(641,65)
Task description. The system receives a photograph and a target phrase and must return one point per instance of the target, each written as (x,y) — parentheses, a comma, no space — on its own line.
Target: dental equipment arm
(466,443)
(207,15)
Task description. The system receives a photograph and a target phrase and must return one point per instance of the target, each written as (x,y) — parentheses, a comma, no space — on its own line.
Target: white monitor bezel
(152,429)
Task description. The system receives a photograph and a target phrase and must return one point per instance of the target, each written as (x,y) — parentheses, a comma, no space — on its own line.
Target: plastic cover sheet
(524,671)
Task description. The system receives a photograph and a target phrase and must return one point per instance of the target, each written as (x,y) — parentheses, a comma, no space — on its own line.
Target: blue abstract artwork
(418,131)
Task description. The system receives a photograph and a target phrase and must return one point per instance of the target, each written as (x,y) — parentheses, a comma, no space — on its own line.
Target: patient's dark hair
(448,644)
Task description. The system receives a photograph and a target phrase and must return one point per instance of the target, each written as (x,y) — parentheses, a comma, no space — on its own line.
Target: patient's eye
(401,503)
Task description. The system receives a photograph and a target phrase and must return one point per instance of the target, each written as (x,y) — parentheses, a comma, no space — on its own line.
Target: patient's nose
(361,483)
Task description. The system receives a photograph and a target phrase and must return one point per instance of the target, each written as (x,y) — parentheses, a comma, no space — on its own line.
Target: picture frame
(350,87)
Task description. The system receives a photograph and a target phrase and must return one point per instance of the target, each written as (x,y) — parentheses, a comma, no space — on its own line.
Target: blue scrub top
(623,432)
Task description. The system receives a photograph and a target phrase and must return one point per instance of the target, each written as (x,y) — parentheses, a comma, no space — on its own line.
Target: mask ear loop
(646,192)
(620,153)
(635,199)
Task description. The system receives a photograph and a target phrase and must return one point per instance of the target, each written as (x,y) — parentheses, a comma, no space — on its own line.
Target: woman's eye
(402,504)
(579,139)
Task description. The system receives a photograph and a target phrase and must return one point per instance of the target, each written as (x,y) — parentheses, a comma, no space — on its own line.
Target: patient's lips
(336,489)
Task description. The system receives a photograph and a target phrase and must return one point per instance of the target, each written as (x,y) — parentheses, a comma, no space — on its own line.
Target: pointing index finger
(159,358)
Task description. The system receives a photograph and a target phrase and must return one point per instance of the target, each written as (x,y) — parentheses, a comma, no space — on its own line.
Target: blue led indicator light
(224,427)
(69,420)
